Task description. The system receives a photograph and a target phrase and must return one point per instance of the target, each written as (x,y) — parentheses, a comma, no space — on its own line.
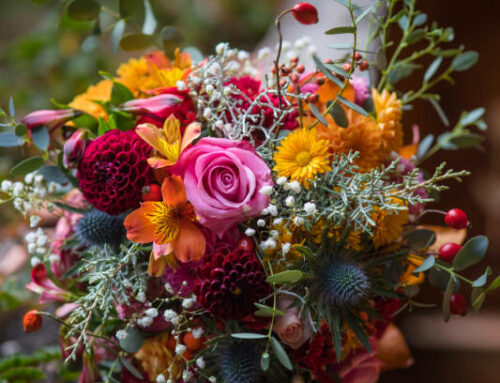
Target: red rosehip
(458,306)
(32,321)
(456,219)
(305,13)
(448,251)
(151,192)
(347,67)
(246,243)
(363,66)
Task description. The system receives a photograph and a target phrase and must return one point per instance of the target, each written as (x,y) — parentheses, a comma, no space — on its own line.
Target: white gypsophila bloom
(35,261)
(263,245)
(181,85)
(286,45)
(250,232)
(127,284)
(187,303)
(243,55)
(285,248)
(271,243)
(272,210)
(278,221)
(29,178)
(266,190)
(186,375)
(290,201)
(169,288)
(31,248)
(298,221)
(121,334)
(53,258)
(232,67)
(145,321)
(170,315)
(35,220)
(18,204)
(40,191)
(40,250)
(39,179)
(42,239)
(141,297)
(161,379)
(151,312)
(210,89)
(293,186)
(221,48)
(219,124)
(17,189)
(6,186)
(27,206)
(310,208)
(200,362)
(207,113)
(281,180)
(212,379)
(261,223)
(180,349)
(274,233)
(227,91)
(31,237)
(197,332)
(263,53)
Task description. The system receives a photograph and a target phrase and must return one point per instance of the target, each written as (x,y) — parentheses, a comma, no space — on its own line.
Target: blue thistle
(342,283)
(98,228)
(239,362)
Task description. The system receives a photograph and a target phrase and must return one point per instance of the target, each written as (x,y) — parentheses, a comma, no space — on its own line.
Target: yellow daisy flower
(98,92)
(301,156)
(388,111)
(388,226)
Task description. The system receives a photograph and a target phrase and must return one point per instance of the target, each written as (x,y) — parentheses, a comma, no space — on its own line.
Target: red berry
(347,67)
(151,192)
(363,66)
(32,321)
(458,306)
(456,219)
(305,13)
(301,68)
(246,243)
(448,251)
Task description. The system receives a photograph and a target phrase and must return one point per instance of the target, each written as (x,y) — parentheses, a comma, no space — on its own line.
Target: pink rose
(290,327)
(222,180)
(361,367)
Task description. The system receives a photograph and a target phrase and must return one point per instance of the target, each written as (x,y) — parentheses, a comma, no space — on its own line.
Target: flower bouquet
(222,221)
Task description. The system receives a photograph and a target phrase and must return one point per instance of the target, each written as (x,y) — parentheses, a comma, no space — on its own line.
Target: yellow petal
(152,135)
(192,132)
(158,162)
(172,129)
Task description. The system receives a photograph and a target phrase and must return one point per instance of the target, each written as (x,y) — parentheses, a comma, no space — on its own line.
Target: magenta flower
(49,118)
(74,148)
(222,180)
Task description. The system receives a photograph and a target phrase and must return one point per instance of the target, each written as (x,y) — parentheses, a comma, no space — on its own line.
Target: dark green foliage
(97,228)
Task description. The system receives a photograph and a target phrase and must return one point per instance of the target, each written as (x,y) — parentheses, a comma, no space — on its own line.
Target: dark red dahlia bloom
(113,171)
(229,282)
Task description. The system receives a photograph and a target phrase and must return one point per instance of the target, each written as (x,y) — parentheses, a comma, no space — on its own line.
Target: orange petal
(393,350)
(408,151)
(158,162)
(173,191)
(190,244)
(139,227)
(156,267)
(192,132)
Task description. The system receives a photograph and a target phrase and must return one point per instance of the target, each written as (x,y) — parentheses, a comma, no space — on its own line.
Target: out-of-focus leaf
(8,139)
(281,354)
(128,7)
(150,22)
(472,116)
(446,299)
(133,341)
(465,61)
(338,114)
(27,166)
(84,10)
(40,137)
(117,34)
(471,253)
(136,42)
(425,145)
(340,30)
(426,264)
(431,71)
(317,114)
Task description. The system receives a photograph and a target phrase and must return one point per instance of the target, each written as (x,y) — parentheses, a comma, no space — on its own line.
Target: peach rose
(290,327)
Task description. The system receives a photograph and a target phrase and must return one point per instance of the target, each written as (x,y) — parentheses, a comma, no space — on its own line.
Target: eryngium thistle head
(98,228)
(239,362)
(342,283)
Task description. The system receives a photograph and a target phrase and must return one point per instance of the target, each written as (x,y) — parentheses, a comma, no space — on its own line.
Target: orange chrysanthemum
(388,111)
(98,92)
(389,226)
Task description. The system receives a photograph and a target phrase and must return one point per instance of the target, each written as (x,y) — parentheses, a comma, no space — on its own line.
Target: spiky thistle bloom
(301,156)
(230,282)
(239,362)
(98,228)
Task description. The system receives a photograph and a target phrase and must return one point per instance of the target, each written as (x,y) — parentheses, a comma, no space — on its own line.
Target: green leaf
(446,299)
(495,284)
(281,354)
(478,297)
(21,130)
(353,106)
(420,239)
(264,361)
(472,116)
(471,253)
(133,342)
(440,278)
(363,14)
(359,332)
(266,311)
(27,166)
(466,140)
(12,108)
(338,114)
(116,35)
(336,69)
(130,367)
(53,174)
(84,10)
(425,145)
(40,137)
(170,37)
(481,281)
(104,127)
(439,111)
(415,36)
(128,7)
(340,30)
(400,72)
(8,140)
(326,72)
(317,114)
(288,276)
(465,61)
(136,41)
(23,374)
(248,335)
(337,336)
(431,71)
(150,22)
(120,94)
(426,265)
(420,19)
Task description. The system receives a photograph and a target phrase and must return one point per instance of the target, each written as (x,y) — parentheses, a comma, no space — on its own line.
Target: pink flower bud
(50,118)
(74,148)
(160,106)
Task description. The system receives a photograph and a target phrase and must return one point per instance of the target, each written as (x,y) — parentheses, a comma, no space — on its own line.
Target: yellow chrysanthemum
(284,253)
(98,92)
(389,226)
(301,156)
(353,240)
(388,111)
(156,357)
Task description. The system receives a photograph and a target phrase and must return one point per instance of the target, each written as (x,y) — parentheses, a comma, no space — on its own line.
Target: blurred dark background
(41,57)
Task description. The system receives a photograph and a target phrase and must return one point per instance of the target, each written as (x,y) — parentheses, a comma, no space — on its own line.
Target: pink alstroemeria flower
(159,106)
(49,118)
(42,285)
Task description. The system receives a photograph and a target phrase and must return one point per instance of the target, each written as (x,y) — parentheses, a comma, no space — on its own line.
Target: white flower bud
(266,190)
(17,189)
(35,261)
(290,201)
(281,181)
(179,349)
(151,312)
(197,332)
(145,321)
(121,334)
(261,223)
(6,186)
(310,208)
(200,362)
(285,248)
(250,232)
(298,221)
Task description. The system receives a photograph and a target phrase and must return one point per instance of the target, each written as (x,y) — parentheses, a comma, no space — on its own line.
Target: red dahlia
(113,171)
(229,282)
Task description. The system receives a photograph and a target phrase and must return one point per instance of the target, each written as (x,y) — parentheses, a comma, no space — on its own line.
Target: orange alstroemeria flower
(167,142)
(169,223)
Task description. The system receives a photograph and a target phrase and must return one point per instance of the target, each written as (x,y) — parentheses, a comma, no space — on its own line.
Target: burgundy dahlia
(229,283)
(113,171)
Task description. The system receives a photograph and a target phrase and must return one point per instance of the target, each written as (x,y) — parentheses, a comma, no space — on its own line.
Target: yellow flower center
(165,222)
(303,158)
(237,291)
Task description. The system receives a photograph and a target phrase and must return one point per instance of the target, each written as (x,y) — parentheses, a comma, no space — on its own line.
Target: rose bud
(456,218)
(32,321)
(74,148)
(160,105)
(49,118)
(305,13)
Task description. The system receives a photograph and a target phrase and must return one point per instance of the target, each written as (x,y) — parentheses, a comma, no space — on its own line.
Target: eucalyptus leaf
(467,140)
(426,265)
(117,34)
(478,297)
(447,298)
(288,276)
(425,145)
(465,61)
(481,281)
(268,311)
(53,174)
(12,108)
(326,72)
(84,10)
(431,71)
(338,113)
(336,69)
(420,239)
(281,354)
(472,116)
(420,19)
(150,22)
(248,335)
(353,106)
(130,367)
(318,114)
(471,253)
(26,166)
(340,30)
(8,140)
(439,111)
(133,341)
(41,138)
(264,361)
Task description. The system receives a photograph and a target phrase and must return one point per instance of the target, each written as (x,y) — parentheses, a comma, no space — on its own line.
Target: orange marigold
(98,92)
